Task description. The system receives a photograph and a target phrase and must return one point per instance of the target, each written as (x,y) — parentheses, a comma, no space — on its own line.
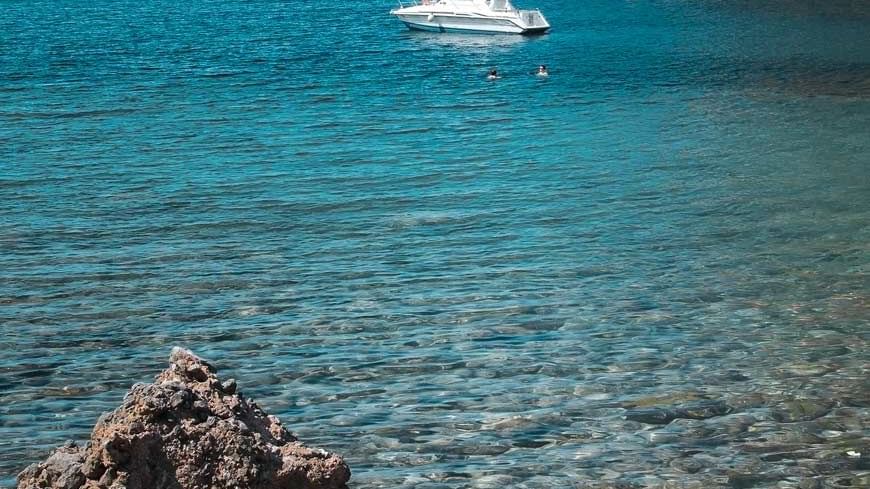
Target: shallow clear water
(452,282)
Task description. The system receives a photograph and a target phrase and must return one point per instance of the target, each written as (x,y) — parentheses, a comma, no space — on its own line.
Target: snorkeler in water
(542,71)
(493,75)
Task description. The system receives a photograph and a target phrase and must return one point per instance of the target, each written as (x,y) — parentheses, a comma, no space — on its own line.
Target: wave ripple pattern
(649,269)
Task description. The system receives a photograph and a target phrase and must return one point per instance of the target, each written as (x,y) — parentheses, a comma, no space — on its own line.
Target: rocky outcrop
(188,430)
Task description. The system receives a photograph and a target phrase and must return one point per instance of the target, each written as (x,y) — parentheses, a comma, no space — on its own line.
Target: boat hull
(466,24)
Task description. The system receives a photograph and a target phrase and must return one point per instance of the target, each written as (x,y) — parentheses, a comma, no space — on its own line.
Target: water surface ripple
(453,282)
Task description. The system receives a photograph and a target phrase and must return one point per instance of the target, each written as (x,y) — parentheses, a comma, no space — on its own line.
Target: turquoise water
(453,282)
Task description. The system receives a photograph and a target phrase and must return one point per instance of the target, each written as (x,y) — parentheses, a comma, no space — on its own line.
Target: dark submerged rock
(695,410)
(688,465)
(187,430)
(703,410)
(802,410)
(651,415)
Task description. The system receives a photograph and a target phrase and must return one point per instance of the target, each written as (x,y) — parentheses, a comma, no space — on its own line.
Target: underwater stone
(703,410)
(651,415)
(687,465)
(801,410)
(695,410)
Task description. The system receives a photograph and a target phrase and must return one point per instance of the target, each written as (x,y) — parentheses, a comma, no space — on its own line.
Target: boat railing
(414,3)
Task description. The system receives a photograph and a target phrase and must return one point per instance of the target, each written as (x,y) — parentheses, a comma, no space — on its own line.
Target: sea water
(453,282)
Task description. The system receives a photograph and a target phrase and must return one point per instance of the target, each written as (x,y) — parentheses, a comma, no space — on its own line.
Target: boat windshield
(500,5)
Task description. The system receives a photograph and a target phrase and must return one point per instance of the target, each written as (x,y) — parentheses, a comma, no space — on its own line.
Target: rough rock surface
(188,430)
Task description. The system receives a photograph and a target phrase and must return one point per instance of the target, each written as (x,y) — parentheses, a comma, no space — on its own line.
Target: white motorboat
(495,16)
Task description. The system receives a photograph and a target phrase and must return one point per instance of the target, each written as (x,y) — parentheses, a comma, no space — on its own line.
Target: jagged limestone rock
(188,430)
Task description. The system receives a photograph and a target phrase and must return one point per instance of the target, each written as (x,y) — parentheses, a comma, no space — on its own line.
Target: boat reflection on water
(467,41)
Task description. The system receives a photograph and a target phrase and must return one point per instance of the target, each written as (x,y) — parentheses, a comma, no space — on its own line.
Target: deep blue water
(452,282)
